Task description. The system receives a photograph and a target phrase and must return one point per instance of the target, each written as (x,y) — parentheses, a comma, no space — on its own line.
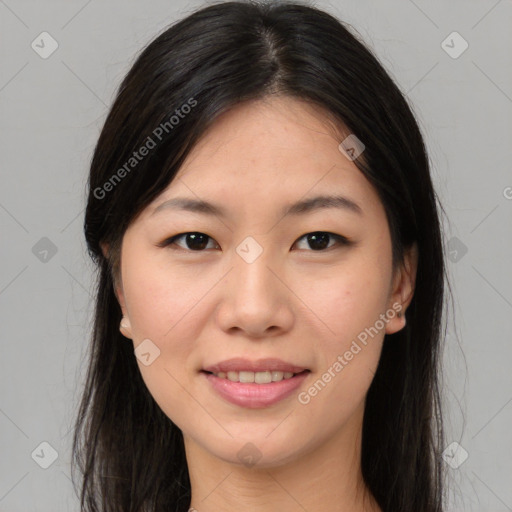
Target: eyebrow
(299,208)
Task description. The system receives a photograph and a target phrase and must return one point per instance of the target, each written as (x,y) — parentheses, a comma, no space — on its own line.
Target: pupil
(194,241)
(318,241)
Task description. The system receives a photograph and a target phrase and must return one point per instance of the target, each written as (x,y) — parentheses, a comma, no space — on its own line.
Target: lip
(261,365)
(252,395)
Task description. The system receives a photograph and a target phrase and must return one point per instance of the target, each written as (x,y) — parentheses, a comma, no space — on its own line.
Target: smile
(257,377)
(246,389)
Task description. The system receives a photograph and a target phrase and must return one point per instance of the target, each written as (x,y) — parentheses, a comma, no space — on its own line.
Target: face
(263,292)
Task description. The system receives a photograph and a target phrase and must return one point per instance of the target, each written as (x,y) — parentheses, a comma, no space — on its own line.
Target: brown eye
(319,240)
(194,241)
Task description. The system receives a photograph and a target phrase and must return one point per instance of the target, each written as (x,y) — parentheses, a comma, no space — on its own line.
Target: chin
(255,448)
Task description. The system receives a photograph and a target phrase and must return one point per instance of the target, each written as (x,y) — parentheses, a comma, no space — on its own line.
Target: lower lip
(255,396)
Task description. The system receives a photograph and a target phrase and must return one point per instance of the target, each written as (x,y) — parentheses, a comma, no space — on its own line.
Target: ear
(402,289)
(125,326)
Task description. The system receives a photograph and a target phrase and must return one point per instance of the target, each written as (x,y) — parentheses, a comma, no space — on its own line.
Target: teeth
(261,377)
(233,376)
(256,377)
(246,376)
(277,376)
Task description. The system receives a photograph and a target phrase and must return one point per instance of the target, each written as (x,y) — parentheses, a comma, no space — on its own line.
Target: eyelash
(169,242)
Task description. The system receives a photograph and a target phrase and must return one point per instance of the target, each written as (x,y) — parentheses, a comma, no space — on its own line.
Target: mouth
(254,384)
(247,377)
(240,365)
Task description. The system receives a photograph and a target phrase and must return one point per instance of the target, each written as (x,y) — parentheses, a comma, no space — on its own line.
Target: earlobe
(125,327)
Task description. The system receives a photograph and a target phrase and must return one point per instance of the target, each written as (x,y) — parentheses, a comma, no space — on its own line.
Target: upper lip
(261,365)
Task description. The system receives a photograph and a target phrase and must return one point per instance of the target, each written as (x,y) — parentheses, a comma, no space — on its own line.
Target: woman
(271,276)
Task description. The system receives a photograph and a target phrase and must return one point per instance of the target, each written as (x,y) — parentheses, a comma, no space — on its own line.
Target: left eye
(318,240)
(196,242)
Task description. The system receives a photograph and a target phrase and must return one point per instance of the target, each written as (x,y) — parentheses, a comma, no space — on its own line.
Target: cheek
(163,308)
(162,301)
(350,306)
(348,351)
(347,300)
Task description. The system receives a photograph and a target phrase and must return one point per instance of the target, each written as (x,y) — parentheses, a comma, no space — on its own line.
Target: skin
(301,305)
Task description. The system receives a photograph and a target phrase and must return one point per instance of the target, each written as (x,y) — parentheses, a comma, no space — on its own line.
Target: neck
(326,478)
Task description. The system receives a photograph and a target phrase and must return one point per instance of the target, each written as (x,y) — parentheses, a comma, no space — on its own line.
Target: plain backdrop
(52,110)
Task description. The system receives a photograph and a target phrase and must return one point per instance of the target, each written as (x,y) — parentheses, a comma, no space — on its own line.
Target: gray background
(51,113)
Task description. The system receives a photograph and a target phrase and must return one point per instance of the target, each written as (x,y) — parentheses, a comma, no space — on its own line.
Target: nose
(255,298)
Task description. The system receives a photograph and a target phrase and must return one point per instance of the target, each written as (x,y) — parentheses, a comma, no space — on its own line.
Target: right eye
(194,241)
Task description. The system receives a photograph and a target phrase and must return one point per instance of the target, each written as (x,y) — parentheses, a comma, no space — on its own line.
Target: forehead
(268,153)
(267,133)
